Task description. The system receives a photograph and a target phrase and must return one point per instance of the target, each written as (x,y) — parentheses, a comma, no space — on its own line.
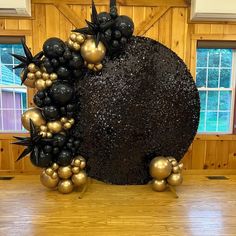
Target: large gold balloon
(80,178)
(65,172)
(91,53)
(54,126)
(65,186)
(160,168)
(33,114)
(175,179)
(159,185)
(48,181)
(40,84)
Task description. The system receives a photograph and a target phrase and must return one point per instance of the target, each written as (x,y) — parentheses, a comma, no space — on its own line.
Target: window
(13,96)
(215,79)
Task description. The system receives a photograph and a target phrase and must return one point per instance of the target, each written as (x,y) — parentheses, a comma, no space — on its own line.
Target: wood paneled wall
(166,21)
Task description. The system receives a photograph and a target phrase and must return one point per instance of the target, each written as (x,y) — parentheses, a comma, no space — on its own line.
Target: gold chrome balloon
(55,166)
(53,76)
(49,135)
(160,168)
(32,67)
(49,171)
(70,43)
(43,128)
(71,121)
(159,185)
(175,179)
(65,172)
(31,76)
(33,114)
(38,74)
(54,126)
(176,169)
(40,84)
(91,53)
(80,178)
(79,161)
(48,181)
(54,175)
(67,125)
(174,163)
(75,169)
(98,66)
(80,38)
(90,66)
(76,46)
(48,82)
(73,36)
(45,76)
(64,120)
(65,186)
(43,134)
(181,166)
(29,83)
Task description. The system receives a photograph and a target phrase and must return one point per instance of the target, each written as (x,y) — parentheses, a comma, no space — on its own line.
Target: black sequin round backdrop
(143,104)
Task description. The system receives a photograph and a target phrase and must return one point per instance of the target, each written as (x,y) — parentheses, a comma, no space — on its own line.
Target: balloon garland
(53,73)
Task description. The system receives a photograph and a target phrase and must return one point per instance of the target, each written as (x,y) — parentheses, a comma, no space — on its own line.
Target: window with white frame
(13,95)
(215,79)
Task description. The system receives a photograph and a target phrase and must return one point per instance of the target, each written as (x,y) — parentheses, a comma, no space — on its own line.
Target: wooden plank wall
(165,21)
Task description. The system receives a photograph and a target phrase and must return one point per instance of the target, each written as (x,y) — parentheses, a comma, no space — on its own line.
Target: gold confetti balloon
(159,185)
(65,186)
(48,181)
(65,172)
(91,53)
(80,178)
(175,179)
(54,126)
(160,168)
(33,114)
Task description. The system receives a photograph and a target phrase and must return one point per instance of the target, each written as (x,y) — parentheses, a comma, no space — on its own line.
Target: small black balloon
(108,34)
(63,72)
(125,25)
(41,159)
(55,150)
(50,113)
(59,140)
(115,43)
(47,101)
(38,101)
(47,148)
(64,158)
(41,94)
(61,93)
(67,55)
(123,40)
(55,62)
(117,34)
(51,45)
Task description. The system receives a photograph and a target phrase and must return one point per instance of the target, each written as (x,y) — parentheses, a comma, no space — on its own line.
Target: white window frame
(232,89)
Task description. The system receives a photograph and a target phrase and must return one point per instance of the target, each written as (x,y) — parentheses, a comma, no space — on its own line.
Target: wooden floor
(204,207)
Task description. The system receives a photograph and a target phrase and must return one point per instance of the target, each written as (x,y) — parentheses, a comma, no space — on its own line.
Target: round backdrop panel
(143,104)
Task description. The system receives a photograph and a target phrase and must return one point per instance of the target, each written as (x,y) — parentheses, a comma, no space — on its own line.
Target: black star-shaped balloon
(27,59)
(32,143)
(95,27)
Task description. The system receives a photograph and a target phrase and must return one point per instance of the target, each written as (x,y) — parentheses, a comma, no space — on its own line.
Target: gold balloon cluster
(75,40)
(53,127)
(165,171)
(38,77)
(65,178)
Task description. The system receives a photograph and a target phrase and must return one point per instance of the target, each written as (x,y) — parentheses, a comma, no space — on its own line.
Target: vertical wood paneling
(171,29)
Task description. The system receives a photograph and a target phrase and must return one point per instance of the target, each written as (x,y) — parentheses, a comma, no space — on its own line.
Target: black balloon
(59,140)
(50,113)
(61,93)
(104,17)
(47,148)
(63,72)
(53,47)
(43,159)
(125,25)
(64,158)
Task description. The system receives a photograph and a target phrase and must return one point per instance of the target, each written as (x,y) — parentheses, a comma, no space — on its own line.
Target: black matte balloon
(104,17)
(59,140)
(42,159)
(61,92)
(50,113)
(51,45)
(64,158)
(125,25)
(143,104)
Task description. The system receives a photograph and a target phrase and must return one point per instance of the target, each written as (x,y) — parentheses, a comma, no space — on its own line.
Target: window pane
(13,97)
(201,78)
(201,127)
(224,121)
(212,100)
(202,57)
(226,57)
(225,100)
(213,77)
(202,99)
(225,78)
(6,58)
(214,58)
(211,120)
